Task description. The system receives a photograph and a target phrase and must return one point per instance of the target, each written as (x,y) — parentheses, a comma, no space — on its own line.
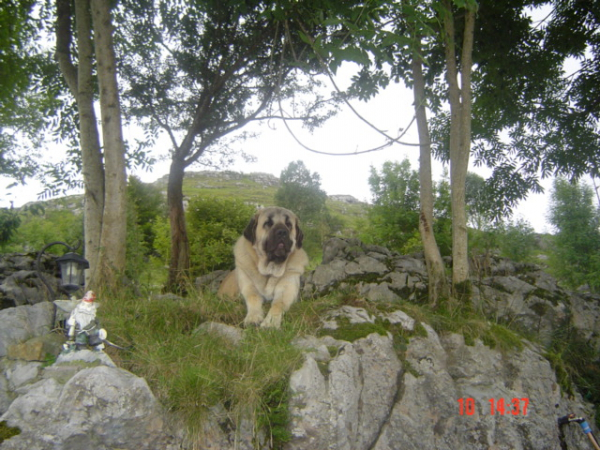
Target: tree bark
(114,223)
(91,153)
(438,286)
(180,249)
(460,140)
(80,82)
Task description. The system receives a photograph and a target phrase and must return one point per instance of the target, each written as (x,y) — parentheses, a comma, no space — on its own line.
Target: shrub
(577,240)
(42,226)
(213,227)
(517,240)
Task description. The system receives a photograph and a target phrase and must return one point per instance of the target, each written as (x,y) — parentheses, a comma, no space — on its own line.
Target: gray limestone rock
(100,407)
(227,332)
(22,323)
(344,405)
(440,397)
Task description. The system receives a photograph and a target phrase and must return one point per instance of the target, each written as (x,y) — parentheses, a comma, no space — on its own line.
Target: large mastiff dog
(269,261)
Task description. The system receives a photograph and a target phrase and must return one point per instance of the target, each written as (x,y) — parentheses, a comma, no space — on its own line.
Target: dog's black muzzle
(278,244)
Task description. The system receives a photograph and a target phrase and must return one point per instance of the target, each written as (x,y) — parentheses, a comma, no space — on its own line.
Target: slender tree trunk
(180,249)
(91,154)
(460,140)
(114,223)
(81,84)
(438,286)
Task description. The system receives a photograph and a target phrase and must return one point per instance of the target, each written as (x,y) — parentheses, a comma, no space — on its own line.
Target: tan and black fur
(269,261)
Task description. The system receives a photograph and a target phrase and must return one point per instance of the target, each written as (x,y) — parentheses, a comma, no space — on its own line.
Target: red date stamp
(515,406)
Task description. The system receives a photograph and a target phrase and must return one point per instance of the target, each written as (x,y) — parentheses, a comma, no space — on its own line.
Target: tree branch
(64,40)
(345,100)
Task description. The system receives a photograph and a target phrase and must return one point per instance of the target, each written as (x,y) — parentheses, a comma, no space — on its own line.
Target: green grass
(191,372)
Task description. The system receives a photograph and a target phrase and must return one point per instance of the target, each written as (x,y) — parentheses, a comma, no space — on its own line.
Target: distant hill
(259,189)
(252,188)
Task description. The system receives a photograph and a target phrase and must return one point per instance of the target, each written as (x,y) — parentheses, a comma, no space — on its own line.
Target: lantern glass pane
(71,273)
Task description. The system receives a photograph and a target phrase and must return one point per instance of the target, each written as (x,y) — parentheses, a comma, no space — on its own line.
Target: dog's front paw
(272,321)
(253,319)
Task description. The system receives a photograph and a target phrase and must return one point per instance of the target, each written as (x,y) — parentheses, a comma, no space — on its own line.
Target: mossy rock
(7,432)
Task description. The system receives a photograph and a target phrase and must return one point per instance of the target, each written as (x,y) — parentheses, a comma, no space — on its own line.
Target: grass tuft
(193,373)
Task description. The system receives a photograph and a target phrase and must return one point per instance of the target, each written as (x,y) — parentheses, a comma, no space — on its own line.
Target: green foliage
(149,204)
(214,225)
(9,222)
(483,241)
(394,216)
(397,185)
(502,338)
(517,240)
(145,213)
(146,207)
(477,209)
(162,238)
(575,362)
(30,89)
(40,226)
(577,241)
(301,193)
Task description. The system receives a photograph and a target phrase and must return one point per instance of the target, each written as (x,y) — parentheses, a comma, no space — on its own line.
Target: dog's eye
(268,223)
(288,223)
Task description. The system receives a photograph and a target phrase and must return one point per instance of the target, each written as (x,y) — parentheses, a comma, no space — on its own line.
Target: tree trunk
(460,140)
(91,154)
(180,249)
(114,223)
(81,85)
(438,286)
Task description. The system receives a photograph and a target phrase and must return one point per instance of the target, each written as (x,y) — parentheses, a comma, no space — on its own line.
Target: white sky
(274,148)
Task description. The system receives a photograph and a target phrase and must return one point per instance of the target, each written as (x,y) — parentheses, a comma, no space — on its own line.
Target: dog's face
(275,234)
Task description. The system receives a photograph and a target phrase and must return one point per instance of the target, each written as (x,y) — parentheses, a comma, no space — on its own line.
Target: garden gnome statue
(83,327)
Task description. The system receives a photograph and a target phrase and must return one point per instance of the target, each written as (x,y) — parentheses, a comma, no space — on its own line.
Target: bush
(214,225)
(301,192)
(41,226)
(148,204)
(9,223)
(517,240)
(577,240)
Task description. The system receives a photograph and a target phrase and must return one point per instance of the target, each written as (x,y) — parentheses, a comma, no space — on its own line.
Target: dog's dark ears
(299,235)
(250,231)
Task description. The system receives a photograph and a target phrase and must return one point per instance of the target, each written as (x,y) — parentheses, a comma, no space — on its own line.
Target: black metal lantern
(72,271)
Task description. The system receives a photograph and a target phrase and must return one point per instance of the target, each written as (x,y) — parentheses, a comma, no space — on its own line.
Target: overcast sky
(274,148)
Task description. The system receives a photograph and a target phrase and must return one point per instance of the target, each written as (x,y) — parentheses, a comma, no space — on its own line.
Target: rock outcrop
(23,323)
(518,293)
(437,394)
(372,379)
(81,401)
(344,199)
(19,280)
(99,407)
(261,178)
